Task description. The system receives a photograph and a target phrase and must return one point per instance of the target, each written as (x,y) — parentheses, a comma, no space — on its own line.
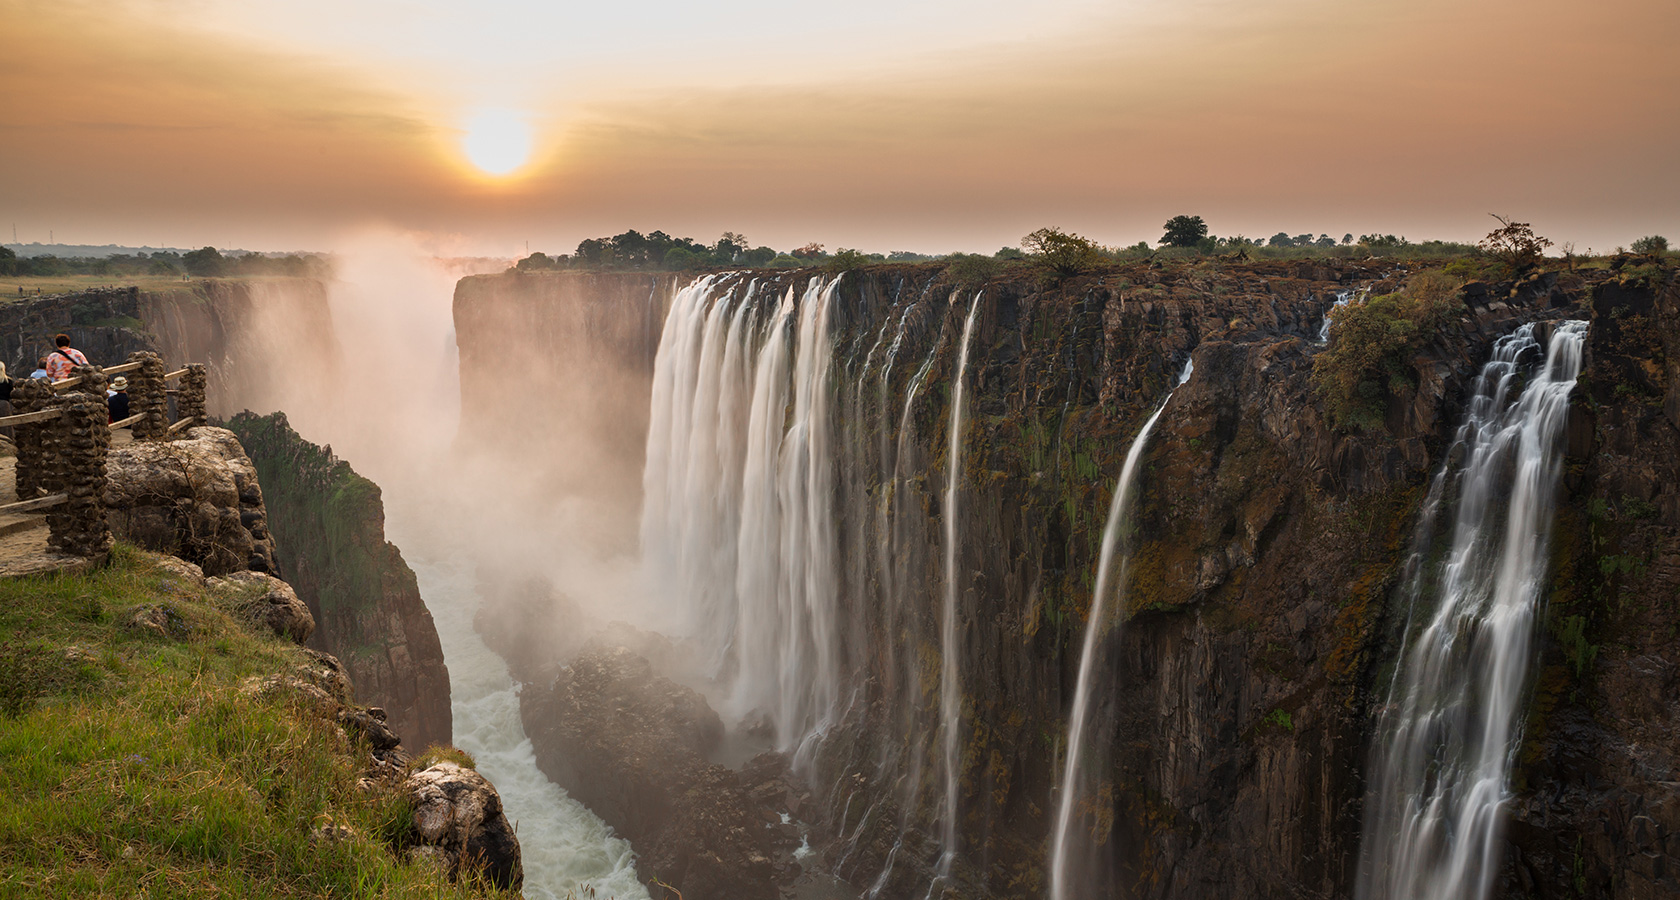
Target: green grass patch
(135,760)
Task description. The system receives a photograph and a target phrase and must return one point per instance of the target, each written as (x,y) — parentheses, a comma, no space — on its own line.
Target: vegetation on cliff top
(135,759)
(1372,344)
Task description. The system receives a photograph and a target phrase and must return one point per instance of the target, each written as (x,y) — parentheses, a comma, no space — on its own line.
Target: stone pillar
(189,404)
(147,393)
(93,380)
(33,465)
(81,437)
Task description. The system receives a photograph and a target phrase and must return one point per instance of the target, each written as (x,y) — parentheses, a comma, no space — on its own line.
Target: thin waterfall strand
(1449,733)
(950,692)
(1074,775)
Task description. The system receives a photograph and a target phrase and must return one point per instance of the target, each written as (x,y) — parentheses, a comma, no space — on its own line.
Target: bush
(1655,243)
(971,269)
(1062,252)
(1514,244)
(1372,345)
(845,260)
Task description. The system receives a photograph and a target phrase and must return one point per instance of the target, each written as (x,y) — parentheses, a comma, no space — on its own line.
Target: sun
(497,141)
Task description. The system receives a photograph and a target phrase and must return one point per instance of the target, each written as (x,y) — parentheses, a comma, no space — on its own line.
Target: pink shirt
(58,368)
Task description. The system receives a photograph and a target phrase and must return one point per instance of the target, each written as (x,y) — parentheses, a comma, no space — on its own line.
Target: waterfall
(738,518)
(1342,299)
(1076,772)
(950,691)
(1446,738)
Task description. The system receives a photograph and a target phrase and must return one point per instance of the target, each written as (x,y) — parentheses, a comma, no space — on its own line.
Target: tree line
(203,263)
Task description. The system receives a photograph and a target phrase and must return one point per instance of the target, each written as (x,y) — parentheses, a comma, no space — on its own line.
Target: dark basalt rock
(632,746)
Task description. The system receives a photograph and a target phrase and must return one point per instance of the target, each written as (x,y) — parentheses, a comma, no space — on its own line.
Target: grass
(133,763)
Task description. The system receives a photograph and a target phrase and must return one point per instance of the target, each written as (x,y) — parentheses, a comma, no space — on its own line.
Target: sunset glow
(928,126)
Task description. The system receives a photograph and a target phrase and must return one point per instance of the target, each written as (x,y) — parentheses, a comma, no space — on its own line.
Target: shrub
(1514,244)
(1062,252)
(971,269)
(439,753)
(1372,345)
(1655,243)
(845,260)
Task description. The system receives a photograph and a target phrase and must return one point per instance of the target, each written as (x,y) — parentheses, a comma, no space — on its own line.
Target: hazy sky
(926,125)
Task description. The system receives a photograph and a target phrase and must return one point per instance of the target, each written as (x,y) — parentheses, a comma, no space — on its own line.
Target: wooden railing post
(147,394)
(81,437)
(189,404)
(33,464)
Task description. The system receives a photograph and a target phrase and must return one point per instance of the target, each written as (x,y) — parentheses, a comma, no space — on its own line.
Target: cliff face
(329,533)
(1261,618)
(548,357)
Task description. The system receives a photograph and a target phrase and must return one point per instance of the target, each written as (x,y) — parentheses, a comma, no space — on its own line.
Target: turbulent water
(1449,732)
(1084,766)
(568,851)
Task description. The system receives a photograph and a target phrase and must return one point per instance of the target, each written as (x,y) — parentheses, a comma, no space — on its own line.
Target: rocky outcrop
(632,746)
(459,824)
(196,498)
(271,603)
(329,533)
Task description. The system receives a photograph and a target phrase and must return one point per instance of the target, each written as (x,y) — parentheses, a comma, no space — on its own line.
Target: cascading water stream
(738,518)
(1450,730)
(1342,298)
(950,691)
(1076,773)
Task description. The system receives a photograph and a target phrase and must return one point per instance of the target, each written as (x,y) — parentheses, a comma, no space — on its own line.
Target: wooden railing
(63,434)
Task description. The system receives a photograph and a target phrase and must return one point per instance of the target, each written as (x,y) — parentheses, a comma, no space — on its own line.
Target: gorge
(886,583)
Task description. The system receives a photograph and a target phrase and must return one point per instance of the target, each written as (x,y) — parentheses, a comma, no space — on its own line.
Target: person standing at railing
(40,369)
(63,358)
(117,398)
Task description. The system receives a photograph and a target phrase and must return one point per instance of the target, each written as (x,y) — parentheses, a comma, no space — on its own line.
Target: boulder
(458,822)
(272,603)
(196,498)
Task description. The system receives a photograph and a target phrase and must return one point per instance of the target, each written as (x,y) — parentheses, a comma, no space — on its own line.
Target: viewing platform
(52,492)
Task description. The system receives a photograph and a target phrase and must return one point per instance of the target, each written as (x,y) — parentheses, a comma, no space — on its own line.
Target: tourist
(117,398)
(5,399)
(40,368)
(63,358)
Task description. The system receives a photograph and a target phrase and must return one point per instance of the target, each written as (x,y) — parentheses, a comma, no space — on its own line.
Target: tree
(1514,243)
(1063,252)
(538,260)
(1184,231)
(204,262)
(730,246)
(1281,239)
(812,250)
(1655,243)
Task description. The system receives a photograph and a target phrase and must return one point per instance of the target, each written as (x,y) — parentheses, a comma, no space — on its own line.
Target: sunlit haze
(928,126)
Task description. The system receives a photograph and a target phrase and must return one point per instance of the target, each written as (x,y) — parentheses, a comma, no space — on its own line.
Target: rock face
(459,821)
(1262,617)
(329,531)
(632,746)
(196,498)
